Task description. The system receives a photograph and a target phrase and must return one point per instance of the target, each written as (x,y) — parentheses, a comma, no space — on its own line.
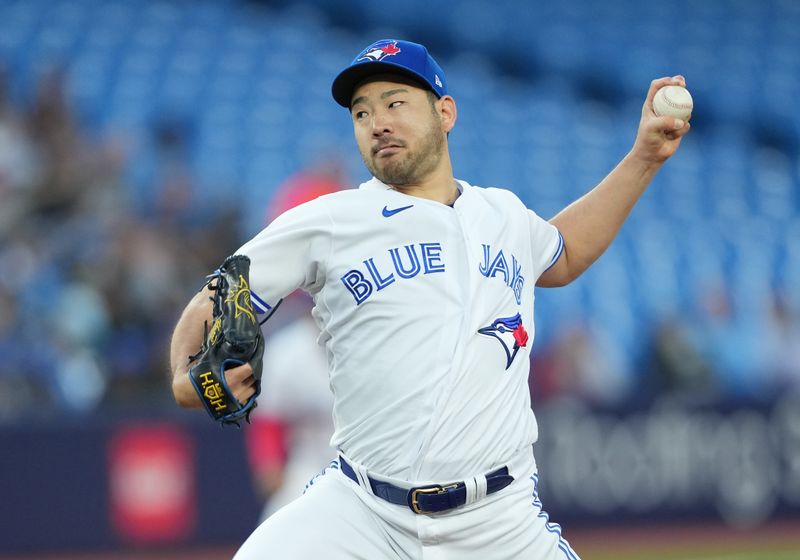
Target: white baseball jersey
(426,315)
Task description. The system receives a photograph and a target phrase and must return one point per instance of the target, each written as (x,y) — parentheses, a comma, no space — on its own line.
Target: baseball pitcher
(423,288)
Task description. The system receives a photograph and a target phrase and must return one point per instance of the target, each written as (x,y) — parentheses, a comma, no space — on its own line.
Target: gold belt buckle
(428,490)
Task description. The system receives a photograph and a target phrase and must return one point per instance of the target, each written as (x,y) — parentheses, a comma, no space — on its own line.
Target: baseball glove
(234,339)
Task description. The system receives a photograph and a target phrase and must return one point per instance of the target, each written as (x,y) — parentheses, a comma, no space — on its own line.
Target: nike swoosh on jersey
(393,211)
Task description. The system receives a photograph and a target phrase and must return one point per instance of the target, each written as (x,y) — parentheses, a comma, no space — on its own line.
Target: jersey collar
(376,184)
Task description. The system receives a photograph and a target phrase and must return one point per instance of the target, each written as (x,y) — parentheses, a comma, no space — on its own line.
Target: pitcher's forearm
(184,392)
(186,341)
(590,224)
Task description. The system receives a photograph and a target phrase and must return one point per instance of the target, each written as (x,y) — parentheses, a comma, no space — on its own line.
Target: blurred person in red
(583,361)
(289,440)
(324,177)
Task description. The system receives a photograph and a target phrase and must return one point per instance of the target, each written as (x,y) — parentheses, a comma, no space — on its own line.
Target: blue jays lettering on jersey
(362,286)
(513,277)
(423,310)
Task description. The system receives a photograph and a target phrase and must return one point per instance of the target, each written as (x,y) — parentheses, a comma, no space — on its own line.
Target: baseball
(673,101)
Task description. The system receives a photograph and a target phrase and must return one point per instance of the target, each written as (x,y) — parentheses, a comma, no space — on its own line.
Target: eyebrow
(384,95)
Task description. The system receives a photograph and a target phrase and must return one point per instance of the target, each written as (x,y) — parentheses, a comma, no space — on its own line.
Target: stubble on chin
(409,166)
(398,172)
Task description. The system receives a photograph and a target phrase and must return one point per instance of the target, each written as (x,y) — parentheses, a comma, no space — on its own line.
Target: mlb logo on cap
(390,56)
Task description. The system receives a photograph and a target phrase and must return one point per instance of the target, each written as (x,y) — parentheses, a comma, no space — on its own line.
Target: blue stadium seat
(546,113)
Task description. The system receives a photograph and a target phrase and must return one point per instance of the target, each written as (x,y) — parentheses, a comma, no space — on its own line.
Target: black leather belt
(429,499)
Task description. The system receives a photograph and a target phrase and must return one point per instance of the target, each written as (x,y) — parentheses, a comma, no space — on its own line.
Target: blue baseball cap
(392,56)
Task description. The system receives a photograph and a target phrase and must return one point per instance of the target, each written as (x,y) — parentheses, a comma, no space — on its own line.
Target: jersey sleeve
(547,243)
(288,254)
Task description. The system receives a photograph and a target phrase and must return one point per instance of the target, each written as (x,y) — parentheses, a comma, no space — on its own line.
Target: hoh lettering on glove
(234,339)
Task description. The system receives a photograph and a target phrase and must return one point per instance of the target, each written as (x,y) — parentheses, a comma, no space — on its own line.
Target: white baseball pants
(337,519)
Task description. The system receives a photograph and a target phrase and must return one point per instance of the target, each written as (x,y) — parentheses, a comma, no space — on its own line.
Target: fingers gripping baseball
(659,136)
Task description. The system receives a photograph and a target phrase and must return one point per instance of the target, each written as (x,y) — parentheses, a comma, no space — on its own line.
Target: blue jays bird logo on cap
(380,50)
(510,333)
(390,56)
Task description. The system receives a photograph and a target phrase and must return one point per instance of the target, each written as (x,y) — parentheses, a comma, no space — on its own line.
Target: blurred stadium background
(141,142)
